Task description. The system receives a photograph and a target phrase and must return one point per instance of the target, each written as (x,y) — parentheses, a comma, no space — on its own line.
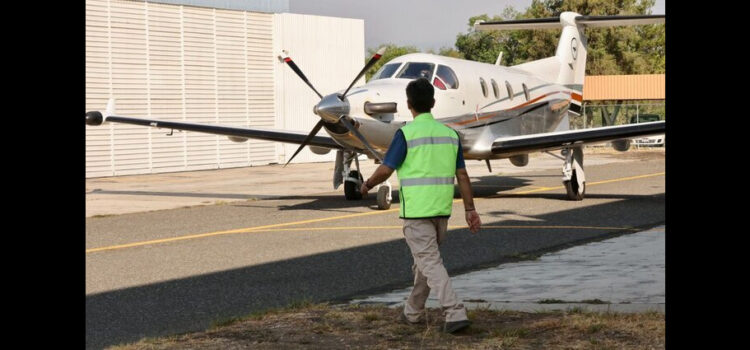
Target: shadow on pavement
(194,303)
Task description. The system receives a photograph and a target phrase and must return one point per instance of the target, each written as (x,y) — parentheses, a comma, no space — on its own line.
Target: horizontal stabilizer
(564,139)
(556,23)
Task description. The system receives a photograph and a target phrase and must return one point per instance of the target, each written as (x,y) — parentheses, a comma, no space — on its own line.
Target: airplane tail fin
(568,66)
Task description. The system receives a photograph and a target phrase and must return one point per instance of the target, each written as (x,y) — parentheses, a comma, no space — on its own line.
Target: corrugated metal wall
(176,63)
(624,87)
(206,65)
(329,51)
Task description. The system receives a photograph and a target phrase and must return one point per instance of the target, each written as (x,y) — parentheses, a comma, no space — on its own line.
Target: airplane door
(448,101)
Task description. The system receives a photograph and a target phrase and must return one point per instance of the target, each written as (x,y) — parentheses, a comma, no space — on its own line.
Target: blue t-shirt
(397,152)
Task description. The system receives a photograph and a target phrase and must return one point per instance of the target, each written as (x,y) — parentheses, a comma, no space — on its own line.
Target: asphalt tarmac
(223,244)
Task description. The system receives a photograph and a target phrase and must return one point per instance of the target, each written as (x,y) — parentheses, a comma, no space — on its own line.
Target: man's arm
(382,173)
(464,186)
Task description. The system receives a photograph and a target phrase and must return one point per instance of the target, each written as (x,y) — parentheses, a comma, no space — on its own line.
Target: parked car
(656,140)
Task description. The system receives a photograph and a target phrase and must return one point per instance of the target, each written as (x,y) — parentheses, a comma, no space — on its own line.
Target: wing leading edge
(285,136)
(564,139)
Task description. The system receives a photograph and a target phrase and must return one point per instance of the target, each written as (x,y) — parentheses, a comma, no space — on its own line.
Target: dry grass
(359,327)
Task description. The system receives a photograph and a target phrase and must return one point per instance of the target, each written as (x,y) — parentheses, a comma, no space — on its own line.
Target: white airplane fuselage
(513,103)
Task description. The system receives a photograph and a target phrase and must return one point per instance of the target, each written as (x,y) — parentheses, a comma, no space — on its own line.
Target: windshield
(414,70)
(385,71)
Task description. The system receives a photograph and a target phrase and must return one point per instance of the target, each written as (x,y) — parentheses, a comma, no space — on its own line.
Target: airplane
(499,112)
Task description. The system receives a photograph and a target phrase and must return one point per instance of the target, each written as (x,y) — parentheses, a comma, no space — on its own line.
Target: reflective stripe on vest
(431,141)
(427,174)
(427,181)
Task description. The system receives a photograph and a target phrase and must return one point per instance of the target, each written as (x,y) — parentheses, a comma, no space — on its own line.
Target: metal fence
(598,115)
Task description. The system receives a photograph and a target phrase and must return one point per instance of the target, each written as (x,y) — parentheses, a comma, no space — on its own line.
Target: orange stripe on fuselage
(469,120)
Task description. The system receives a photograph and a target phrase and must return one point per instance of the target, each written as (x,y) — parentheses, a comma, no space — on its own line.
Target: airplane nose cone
(331,108)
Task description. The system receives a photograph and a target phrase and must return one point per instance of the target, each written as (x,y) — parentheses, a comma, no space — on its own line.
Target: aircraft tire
(351,189)
(383,202)
(571,187)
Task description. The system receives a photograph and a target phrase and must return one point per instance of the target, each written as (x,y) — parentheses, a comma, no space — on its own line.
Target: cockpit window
(447,76)
(386,71)
(414,70)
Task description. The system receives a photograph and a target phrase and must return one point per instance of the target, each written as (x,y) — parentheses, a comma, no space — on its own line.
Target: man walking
(427,156)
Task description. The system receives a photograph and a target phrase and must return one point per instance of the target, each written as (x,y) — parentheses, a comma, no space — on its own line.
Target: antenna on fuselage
(497,63)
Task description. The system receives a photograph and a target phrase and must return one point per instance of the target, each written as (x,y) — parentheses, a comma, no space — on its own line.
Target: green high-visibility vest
(427,173)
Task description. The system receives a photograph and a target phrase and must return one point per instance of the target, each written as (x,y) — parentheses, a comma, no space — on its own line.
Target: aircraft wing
(286,136)
(563,139)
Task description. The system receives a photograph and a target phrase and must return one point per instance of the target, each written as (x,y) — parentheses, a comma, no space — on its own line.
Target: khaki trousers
(423,236)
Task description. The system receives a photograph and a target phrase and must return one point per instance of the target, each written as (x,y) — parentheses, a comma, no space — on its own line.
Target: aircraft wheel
(351,189)
(571,187)
(383,201)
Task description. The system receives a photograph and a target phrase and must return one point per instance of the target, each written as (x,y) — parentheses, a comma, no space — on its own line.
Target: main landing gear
(574,178)
(353,180)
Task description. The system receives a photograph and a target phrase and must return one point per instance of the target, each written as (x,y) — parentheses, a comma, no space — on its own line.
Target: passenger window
(447,76)
(386,71)
(495,90)
(510,90)
(526,91)
(415,70)
(484,87)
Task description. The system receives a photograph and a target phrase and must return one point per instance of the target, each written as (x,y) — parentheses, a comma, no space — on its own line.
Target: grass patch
(524,256)
(371,316)
(303,324)
(550,301)
(103,216)
(300,304)
(594,301)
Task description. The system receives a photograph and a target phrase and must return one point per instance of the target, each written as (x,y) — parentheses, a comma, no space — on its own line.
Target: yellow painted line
(242,230)
(266,227)
(543,189)
(627,178)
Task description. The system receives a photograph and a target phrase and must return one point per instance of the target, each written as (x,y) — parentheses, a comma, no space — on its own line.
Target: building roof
(268,6)
(624,87)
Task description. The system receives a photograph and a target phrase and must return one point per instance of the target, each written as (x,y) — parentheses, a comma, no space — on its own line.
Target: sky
(426,24)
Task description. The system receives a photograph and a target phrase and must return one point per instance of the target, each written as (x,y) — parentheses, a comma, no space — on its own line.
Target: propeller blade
(361,138)
(306,140)
(300,74)
(369,64)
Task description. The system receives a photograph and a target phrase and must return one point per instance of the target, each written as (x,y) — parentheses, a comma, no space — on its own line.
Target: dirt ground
(324,326)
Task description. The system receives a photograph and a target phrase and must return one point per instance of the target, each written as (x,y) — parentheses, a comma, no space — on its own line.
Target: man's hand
(472,218)
(363,189)
(381,174)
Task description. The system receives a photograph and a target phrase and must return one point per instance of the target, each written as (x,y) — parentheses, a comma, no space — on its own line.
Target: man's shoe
(452,327)
(404,320)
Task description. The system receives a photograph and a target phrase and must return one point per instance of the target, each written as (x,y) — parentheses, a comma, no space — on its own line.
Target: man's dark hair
(421,95)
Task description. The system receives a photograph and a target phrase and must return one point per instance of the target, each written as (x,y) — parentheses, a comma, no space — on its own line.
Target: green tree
(611,50)
(450,52)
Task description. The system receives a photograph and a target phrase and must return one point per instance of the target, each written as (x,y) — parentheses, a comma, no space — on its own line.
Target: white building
(208,65)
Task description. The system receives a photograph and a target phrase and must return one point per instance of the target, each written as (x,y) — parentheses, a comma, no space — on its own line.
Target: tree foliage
(611,50)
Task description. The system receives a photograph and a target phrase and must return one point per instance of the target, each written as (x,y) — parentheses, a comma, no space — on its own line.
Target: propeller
(306,140)
(360,137)
(331,104)
(369,64)
(300,74)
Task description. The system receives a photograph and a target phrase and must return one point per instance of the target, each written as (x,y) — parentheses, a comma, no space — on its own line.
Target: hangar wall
(206,65)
